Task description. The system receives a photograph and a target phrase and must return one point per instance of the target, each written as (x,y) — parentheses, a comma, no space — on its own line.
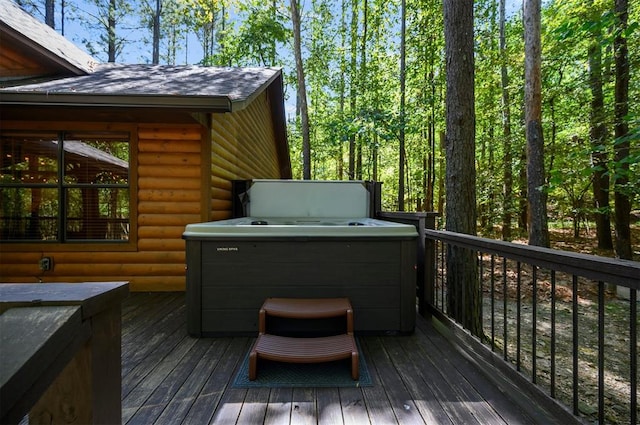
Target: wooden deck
(171,378)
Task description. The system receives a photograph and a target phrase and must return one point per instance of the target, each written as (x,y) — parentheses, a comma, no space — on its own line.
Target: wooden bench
(60,352)
(305,350)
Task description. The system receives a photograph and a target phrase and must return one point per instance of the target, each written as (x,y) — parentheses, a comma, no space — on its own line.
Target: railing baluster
(442,261)
(504,306)
(574,300)
(553,334)
(601,352)
(579,266)
(481,274)
(436,250)
(493,302)
(518,314)
(633,353)
(534,319)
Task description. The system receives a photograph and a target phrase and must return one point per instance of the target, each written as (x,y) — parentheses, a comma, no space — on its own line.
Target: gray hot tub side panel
(228,280)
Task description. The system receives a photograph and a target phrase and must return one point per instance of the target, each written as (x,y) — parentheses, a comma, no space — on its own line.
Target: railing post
(428,293)
(425,261)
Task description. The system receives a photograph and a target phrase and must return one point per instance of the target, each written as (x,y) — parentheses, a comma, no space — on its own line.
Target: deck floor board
(172,378)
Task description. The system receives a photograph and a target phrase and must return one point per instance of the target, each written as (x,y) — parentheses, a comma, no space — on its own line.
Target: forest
(366,88)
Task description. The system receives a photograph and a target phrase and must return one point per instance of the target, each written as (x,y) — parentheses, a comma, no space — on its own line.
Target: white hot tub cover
(299,227)
(303,208)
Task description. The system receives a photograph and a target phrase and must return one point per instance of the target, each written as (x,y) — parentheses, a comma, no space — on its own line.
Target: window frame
(83,244)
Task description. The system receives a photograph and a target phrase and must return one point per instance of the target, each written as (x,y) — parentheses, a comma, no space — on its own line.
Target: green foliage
(352,56)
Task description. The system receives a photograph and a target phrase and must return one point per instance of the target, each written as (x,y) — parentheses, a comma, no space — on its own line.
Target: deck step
(305,350)
(306,308)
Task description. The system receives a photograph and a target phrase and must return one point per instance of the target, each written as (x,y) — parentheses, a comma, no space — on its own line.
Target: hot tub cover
(248,227)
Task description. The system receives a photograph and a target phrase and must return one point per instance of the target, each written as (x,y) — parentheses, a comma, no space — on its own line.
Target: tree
(462,277)
(49,17)
(622,143)
(205,19)
(401,150)
(111,19)
(33,7)
(599,137)
(507,161)
(259,33)
(151,14)
(353,94)
(536,192)
(302,91)
(156,32)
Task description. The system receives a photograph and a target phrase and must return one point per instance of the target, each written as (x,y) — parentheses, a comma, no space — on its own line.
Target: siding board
(183,175)
(169,195)
(168,146)
(243,147)
(169,198)
(161,158)
(167,219)
(146,183)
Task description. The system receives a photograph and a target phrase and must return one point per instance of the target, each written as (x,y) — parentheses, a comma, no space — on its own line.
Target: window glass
(29,214)
(87,199)
(29,158)
(97,213)
(96,158)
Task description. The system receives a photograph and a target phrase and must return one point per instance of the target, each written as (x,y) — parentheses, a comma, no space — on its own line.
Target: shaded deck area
(169,377)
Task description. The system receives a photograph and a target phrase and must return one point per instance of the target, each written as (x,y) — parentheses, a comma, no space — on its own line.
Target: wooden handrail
(610,270)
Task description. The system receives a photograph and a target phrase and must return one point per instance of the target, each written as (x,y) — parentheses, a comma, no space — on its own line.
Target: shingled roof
(218,89)
(21,31)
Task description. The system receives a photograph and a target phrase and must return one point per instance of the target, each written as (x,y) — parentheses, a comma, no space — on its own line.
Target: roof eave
(199,103)
(238,105)
(37,49)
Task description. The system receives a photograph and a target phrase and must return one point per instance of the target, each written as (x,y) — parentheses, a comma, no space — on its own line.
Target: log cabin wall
(183,175)
(169,194)
(242,147)
(167,182)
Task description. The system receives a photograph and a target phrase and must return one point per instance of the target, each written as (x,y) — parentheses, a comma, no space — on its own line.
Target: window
(64,186)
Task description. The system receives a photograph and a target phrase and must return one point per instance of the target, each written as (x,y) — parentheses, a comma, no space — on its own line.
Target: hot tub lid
(249,227)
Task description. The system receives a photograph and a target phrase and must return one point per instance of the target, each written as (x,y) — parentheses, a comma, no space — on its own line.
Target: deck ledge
(503,374)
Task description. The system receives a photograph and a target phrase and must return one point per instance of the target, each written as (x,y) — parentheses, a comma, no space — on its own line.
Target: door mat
(279,374)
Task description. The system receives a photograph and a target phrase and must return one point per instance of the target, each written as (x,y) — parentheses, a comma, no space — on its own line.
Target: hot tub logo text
(227,248)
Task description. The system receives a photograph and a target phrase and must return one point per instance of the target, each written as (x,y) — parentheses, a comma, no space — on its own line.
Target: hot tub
(234,265)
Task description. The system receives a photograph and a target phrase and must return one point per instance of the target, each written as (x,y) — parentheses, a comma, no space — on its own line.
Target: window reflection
(85,200)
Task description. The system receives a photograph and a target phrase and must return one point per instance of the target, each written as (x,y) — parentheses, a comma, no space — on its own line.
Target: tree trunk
(537,195)
(353,71)
(363,78)
(441,172)
(49,15)
(111,32)
(463,295)
(374,158)
(598,150)
(359,157)
(62,17)
(621,179)
(401,136)
(156,33)
(302,92)
(342,86)
(523,209)
(507,161)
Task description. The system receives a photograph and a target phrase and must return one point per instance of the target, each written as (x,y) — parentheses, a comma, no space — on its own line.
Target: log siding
(243,147)
(180,174)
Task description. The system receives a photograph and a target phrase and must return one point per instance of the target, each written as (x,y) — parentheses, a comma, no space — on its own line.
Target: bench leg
(253,365)
(355,367)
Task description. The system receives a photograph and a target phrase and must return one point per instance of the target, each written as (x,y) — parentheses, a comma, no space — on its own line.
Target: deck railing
(555,317)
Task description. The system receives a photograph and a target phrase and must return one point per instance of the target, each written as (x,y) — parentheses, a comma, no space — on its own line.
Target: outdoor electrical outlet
(45,264)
